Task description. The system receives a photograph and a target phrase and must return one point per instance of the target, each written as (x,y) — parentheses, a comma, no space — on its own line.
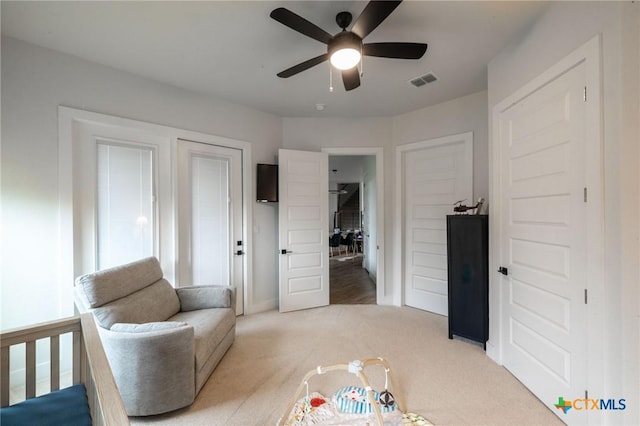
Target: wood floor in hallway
(350,283)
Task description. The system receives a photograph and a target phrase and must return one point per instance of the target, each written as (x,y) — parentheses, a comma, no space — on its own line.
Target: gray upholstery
(154,303)
(210,326)
(124,327)
(203,297)
(105,286)
(162,343)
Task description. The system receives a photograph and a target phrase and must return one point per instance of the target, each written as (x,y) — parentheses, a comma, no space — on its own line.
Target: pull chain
(330,78)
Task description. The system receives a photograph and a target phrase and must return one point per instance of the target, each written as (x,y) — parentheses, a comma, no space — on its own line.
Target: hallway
(349,282)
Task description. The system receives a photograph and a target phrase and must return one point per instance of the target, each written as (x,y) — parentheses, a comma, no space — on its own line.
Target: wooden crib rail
(90,365)
(104,396)
(29,336)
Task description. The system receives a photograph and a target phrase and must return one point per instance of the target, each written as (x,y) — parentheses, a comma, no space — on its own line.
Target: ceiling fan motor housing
(344,40)
(343,19)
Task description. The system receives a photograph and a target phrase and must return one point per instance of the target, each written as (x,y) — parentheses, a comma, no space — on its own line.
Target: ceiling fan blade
(301,25)
(395,50)
(351,78)
(373,14)
(303,66)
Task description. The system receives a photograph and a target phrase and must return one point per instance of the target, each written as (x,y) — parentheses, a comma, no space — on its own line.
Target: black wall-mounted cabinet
(267,183)
(468,275)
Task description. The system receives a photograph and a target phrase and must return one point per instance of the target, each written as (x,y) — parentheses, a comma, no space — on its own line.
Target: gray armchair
(162,343)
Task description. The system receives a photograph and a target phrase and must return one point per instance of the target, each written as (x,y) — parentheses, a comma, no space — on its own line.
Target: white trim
(398,262)
(589,54)
(379,154)
(68,116)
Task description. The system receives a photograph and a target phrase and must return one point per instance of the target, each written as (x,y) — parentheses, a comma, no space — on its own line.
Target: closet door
(437,173)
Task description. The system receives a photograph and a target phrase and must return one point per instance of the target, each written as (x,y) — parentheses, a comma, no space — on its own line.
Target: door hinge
(584,94)
(586,296)
(585,194)
(586,394)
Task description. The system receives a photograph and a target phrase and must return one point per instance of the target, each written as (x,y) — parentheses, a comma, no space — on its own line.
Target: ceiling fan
(345,49)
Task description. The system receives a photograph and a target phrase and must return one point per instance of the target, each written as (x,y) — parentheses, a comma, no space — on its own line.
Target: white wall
(561,29)
(34,82)
(465,114)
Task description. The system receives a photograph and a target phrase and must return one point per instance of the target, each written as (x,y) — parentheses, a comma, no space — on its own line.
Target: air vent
(424,79)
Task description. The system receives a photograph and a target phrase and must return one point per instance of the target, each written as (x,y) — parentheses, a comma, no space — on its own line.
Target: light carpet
(450,382)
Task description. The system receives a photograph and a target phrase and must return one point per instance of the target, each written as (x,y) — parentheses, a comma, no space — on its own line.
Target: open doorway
(353,246)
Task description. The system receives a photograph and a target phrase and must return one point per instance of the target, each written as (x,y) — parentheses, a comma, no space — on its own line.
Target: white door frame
(381,291)
(590,54)
(398,261)
(69,119)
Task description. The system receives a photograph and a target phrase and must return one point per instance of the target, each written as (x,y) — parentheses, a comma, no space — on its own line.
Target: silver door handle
(285,251)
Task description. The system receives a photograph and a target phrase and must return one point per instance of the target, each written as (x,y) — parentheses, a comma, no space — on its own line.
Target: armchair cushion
(214,330)
(108,285)
(121,327)
(204,297)
(157,302)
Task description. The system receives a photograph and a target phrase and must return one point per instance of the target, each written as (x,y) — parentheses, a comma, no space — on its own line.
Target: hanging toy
(386,399)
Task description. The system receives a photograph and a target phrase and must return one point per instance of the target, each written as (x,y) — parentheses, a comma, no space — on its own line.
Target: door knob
(285,251)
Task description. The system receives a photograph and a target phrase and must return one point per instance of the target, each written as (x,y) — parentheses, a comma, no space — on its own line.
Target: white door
(544,240)
(303,229)
(210,246)
(436,175)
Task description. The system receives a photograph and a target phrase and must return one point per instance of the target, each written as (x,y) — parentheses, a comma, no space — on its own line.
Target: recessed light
(320,107)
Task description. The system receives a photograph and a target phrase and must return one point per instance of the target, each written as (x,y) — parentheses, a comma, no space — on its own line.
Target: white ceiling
(232,50)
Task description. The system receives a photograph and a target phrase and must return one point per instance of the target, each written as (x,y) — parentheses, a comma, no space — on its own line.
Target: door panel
(436,175)
(304,226)
(544,239)
(210,216)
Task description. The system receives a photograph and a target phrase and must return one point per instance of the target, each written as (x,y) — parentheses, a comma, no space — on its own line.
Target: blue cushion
(64,407)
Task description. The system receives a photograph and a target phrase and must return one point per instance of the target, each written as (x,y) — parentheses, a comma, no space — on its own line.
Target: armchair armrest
(206,296)
(154,370)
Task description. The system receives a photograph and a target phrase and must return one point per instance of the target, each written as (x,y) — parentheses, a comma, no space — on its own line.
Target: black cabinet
(468,276)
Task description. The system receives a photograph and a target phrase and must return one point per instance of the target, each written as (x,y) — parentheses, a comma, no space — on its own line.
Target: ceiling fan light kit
(345,49)
(345,58)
